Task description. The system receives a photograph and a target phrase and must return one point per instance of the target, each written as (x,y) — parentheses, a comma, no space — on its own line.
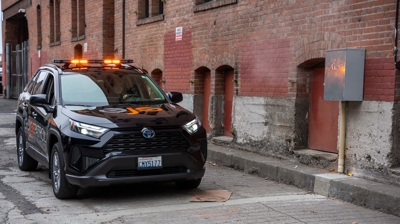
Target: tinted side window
(49,90)
(31,83)
(38,88)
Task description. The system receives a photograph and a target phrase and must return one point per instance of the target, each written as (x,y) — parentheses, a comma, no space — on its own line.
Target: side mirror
(40,100)
(175,97)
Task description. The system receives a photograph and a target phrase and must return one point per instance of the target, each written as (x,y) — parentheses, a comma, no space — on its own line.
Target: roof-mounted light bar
(95,61)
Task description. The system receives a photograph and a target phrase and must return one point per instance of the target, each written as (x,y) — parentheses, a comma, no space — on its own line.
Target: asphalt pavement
(7,105)
(367,193)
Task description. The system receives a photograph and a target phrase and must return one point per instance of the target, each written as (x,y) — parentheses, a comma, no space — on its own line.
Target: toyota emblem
(148,133)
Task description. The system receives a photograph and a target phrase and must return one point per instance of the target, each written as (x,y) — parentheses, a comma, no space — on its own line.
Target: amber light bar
(96,61)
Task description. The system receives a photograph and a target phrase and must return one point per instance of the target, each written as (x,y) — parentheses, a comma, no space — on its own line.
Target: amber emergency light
(94,61)
(79,64)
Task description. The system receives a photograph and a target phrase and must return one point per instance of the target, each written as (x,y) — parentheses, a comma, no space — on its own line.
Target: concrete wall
(264,125)
(187,102)
(369,136)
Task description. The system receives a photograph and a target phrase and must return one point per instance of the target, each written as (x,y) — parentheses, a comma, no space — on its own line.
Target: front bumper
(121,169)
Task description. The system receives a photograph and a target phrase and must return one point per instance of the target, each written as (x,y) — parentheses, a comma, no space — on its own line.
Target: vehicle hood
(130,116)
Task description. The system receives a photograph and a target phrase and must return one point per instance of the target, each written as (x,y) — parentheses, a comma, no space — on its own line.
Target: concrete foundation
(264,125)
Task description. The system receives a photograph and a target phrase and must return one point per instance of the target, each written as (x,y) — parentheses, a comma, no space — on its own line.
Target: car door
(44,118)
(36,121)
(23,105)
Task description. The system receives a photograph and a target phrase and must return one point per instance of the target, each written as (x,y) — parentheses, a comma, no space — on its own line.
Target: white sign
(38,52)
(178,33)
(85,47)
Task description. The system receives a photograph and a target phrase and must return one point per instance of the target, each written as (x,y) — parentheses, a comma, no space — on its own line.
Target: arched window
(51,10)
(57,22)
(55,27)
(78,20)
(74,18)
(149,8)
(39,27)
(81,19)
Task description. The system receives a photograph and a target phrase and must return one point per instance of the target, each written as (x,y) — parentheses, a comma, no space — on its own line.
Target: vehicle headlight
(192,126)
(86,129)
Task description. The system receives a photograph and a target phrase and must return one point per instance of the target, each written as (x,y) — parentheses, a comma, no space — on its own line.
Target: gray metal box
(344,74)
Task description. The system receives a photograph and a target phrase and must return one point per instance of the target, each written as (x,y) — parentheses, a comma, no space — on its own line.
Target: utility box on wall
(344,74)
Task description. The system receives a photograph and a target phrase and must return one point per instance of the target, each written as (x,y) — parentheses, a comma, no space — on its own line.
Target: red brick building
(252,70)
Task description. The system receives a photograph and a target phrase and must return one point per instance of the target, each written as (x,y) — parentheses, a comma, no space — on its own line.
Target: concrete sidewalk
(373,195)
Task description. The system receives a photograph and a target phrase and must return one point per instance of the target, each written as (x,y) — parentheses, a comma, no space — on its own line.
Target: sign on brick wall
(178,34)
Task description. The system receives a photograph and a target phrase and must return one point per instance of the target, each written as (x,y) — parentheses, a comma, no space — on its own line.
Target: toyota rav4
(99,122)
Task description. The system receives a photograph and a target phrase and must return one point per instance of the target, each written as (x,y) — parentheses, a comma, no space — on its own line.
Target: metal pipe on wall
(8,70)
(342,136)
(396,36)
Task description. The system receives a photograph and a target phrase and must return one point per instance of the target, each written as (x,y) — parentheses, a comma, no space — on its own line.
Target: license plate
(149,162)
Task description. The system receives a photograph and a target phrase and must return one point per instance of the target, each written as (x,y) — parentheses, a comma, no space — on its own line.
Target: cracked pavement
(27,197)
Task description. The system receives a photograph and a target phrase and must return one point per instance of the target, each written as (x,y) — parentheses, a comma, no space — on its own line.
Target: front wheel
(61,188)
(25,161)
(189,184)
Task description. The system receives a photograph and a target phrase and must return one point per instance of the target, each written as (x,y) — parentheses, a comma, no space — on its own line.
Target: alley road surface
(27,197)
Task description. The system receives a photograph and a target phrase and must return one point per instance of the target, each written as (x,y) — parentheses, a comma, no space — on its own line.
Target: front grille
(130,173)
(163,140)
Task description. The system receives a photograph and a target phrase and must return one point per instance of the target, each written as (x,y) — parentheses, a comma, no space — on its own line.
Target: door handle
(25,105)
(34,114)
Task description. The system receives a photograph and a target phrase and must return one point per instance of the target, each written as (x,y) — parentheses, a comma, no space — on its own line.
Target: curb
(362,192)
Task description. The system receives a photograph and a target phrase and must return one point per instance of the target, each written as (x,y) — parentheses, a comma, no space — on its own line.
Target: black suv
(97,123)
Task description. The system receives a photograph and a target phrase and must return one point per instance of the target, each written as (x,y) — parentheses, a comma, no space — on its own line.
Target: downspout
(123,29)
(396,36)
(342,136)
(8,70)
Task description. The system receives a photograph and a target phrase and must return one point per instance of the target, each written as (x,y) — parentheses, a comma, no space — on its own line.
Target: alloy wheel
(20,149)
(56,172)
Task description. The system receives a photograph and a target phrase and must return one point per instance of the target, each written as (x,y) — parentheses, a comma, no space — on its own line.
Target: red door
(323,116)
(229,87)
(206,100)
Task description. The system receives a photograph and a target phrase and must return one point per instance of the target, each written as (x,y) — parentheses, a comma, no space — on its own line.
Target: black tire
(188,184)
(25,161)
(61,188)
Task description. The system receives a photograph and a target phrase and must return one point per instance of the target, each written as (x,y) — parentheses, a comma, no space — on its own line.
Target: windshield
(106,88)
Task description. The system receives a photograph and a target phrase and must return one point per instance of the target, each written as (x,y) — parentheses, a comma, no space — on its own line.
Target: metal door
(323,116)
(18,64)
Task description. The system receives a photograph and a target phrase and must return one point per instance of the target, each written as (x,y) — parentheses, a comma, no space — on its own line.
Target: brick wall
(99,32)
(379,80)
(178,61)
(7,3)
(230,34)
(245,34)
(264,68)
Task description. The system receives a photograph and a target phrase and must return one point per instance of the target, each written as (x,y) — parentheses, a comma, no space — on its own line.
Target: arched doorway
(224,85)
(157,75)
(16,38)
(202,93)
(78,51)
(322,114)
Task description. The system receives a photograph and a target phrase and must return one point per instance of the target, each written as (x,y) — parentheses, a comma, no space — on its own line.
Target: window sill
(74,39)
(55,43)
(213,5)
(150,20)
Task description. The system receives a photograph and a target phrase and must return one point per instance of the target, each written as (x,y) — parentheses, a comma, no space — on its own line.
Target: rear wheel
(61,188)
(189,184)
(25,161)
